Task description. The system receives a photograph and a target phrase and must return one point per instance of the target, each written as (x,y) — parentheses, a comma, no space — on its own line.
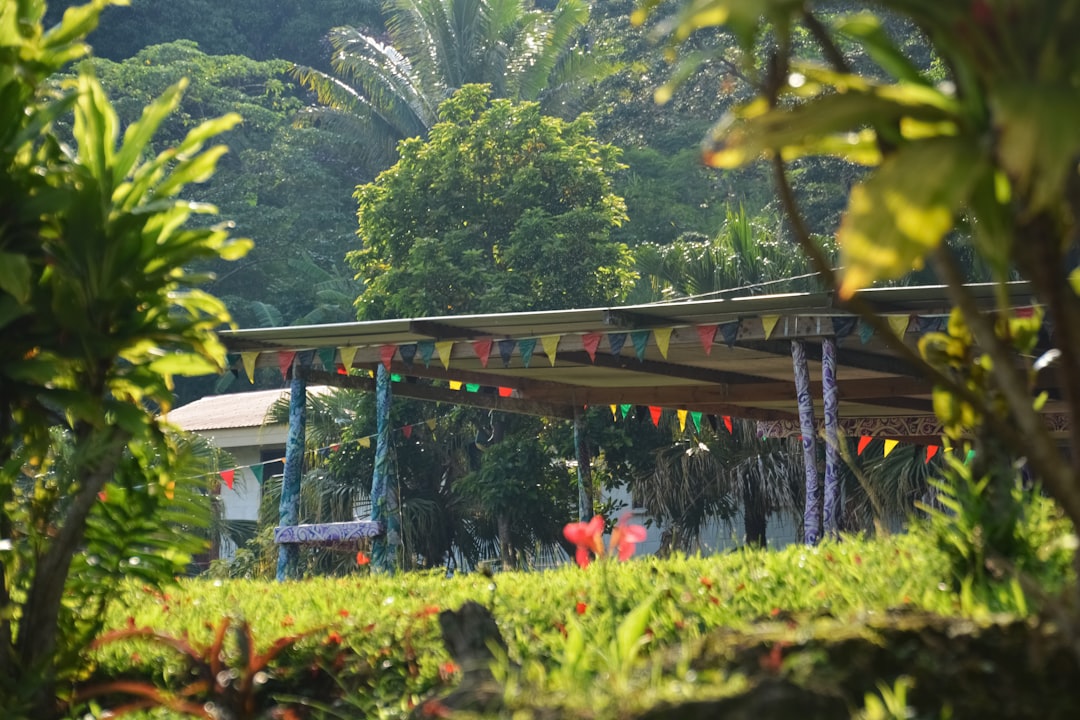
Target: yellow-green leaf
(15,276)
(905,208)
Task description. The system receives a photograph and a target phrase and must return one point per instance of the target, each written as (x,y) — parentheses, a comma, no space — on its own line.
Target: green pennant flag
(625,409)
(471,387)
(326,358)
(695,415)
(258,471)
(526,347)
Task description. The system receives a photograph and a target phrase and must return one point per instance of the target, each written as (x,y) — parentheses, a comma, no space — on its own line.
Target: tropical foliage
(383,91)
(502,209)
(98,314)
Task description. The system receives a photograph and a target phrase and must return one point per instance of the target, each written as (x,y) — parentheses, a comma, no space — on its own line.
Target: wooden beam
(656,367)
(418,391)
(845,357)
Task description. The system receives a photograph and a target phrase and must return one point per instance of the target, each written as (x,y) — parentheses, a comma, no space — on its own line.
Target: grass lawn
(814,630)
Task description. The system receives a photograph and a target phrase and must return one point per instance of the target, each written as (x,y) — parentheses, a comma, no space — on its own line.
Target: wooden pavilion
(799,364)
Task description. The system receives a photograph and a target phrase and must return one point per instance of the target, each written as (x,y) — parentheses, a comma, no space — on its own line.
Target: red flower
(624,537)
(581,608)
(587,536)
(362,559)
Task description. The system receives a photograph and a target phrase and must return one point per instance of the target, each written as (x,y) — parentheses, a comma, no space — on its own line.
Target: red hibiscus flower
(587,536)
(625,536)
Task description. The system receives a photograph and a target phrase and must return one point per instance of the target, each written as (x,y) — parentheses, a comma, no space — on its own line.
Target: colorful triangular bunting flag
(625,410)
(482,348)
(444,349)
(616,342)
(663,338)
(707,333)
(931,451)
(407,431)
(614,412)
(768,324)
(259,471)
(248,359)
(365,442)
(386,355)
(727,424)
(228,477)
(527,346)
(551,344)
(505,391)
(695,416)
(591,341)
(407,353)
(863,442)
(426,348)
(455,384)
(347,355)
(284,361)
(640,338)
(898,324)
(890,445)
(655,413)
(730,332)
(681,414)
(506,350)
(326,358)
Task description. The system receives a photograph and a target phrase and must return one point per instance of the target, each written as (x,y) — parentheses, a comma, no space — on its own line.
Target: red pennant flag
(335,447)
(228,476)
(386,354)
(707,333)
(727,424)
(655,413)
(341,369)
(863,442)
(483,350)
(931,451)
(505,391)
(284,362)
(591,341)
(407,430)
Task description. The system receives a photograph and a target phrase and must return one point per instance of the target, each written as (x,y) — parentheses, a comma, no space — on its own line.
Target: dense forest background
(289,185)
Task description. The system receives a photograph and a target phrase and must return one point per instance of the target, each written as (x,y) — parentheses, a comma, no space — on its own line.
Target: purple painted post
(832,449)
(812,512)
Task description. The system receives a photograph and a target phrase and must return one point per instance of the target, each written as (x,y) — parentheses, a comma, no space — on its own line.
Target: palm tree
(385,89)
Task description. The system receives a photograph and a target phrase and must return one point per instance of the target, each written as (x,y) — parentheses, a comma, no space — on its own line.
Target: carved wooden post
(289,506)
(384,500)
(812,512)
(831,509)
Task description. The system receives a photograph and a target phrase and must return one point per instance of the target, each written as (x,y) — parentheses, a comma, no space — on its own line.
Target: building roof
(727,356)
(235,410)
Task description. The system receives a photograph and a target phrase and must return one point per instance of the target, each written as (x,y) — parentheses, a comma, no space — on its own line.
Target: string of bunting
(340,359)
(259,469)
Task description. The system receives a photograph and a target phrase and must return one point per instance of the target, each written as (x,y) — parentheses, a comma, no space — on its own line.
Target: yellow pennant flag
(430,422)
(249,359)
(348,354)
(663,338)
(614,410)
(455,384)
(682,419)
(890,445)
(551,344)
(444,348)
(898,324)
(365,442)
(768,323)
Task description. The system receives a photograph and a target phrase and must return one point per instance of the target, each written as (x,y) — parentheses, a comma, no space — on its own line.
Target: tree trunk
(506,550)
(755,517)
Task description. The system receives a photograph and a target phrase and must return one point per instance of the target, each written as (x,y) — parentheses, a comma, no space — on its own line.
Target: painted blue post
(831,510)
(384,499)
(289,507)
(812,511)
(584,467)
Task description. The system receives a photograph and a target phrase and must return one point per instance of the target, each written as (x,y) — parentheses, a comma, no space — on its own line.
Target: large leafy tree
(97,314)
(387,88)
(502,209)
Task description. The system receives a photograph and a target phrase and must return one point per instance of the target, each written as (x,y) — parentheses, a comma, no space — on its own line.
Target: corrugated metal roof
(235,410)
(745,371)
